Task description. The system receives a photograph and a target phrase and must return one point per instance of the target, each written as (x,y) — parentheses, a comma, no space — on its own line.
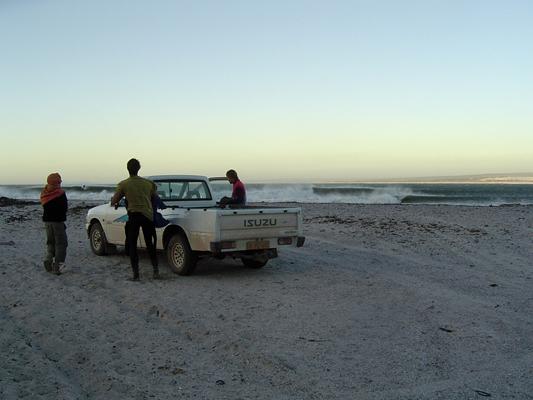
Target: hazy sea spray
(362,194)
(454,194)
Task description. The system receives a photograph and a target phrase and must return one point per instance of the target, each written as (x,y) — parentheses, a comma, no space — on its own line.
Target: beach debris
(6,202)
(446,329)
(313,340)
(17,218)
(493,285)
(153,312)
(482,393)
(10,243)
(81,208)
(387,226)
(220,382)
(178,371)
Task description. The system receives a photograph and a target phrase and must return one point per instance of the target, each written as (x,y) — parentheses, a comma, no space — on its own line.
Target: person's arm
(63,203)
(160,203)
(119,194)
(224,201)
(157,203)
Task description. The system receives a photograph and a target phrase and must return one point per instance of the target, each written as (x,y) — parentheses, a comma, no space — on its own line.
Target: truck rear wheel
(255,263)
(180,257)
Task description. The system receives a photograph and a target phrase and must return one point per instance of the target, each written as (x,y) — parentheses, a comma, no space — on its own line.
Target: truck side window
(163,190)
(183,190)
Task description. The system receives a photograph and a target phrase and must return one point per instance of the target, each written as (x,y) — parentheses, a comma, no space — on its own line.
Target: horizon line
(492,178)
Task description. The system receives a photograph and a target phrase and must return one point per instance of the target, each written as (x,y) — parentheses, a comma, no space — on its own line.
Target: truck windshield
(177,190)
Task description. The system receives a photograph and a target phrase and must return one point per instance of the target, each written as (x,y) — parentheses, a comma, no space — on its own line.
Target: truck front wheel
(98,240)
(181,259)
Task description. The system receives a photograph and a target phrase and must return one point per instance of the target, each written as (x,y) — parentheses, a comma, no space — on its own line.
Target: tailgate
(259,224)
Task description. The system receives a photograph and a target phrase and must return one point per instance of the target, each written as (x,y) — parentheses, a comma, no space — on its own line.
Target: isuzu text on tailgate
(249,223)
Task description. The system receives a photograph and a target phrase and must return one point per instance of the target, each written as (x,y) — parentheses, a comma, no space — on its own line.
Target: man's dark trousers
(136,221)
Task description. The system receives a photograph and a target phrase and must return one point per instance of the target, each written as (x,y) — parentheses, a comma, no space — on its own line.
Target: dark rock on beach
(6,202)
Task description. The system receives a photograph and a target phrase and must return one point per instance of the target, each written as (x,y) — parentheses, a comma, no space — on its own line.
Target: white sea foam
(303,193)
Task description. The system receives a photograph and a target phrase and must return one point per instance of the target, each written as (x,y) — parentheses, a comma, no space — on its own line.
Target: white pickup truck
(198,227)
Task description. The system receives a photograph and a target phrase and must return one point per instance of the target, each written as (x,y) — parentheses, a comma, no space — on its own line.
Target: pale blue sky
(277,90)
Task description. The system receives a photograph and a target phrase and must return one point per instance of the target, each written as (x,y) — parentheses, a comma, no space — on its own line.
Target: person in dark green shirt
(138,193)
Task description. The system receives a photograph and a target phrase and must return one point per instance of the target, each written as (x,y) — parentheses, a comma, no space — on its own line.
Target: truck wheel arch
(171,231)
(91,223)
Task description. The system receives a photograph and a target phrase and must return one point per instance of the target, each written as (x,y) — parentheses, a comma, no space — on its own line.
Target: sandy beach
(382,302)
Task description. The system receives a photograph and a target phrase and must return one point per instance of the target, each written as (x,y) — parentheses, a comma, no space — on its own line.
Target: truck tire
(180,257)
(98,241)
(254,263)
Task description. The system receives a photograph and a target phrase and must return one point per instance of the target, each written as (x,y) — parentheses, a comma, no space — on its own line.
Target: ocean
(354,193)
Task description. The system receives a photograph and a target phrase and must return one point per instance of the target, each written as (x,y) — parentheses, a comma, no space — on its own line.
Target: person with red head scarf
(55,206)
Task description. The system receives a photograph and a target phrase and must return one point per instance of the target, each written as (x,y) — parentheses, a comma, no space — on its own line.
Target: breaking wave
(453,194)
(75,192)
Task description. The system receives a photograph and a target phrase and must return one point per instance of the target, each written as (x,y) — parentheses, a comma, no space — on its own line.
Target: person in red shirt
(238,195)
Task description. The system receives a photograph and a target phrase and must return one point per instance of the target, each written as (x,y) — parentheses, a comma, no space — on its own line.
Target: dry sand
(383,302)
